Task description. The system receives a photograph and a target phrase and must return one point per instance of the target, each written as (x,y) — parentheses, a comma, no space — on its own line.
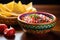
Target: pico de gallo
(36,18)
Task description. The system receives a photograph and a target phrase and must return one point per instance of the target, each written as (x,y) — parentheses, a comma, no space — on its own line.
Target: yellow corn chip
(16,9)
(8,14)
(21,8)
(30,4)
(10,5)
(30,8)
(2,7)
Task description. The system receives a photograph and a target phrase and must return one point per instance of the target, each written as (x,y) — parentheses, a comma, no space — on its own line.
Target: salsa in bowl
(37,22)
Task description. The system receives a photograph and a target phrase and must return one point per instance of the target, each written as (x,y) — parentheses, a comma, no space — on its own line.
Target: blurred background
(55,2)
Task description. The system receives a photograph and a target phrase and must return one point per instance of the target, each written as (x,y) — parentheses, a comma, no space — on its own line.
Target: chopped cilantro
(34,15)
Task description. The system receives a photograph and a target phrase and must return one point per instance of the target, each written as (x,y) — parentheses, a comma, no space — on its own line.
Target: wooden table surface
(53,35)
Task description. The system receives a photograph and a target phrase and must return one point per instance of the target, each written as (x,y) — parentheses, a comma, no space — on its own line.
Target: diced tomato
(37,19)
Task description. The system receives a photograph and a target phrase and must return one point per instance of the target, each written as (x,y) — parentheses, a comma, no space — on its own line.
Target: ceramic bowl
(37,28)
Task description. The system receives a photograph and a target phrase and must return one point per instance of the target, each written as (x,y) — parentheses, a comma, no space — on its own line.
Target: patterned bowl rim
(54,18)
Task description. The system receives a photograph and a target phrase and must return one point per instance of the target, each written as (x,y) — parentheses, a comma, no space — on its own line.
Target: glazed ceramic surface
(37,27)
